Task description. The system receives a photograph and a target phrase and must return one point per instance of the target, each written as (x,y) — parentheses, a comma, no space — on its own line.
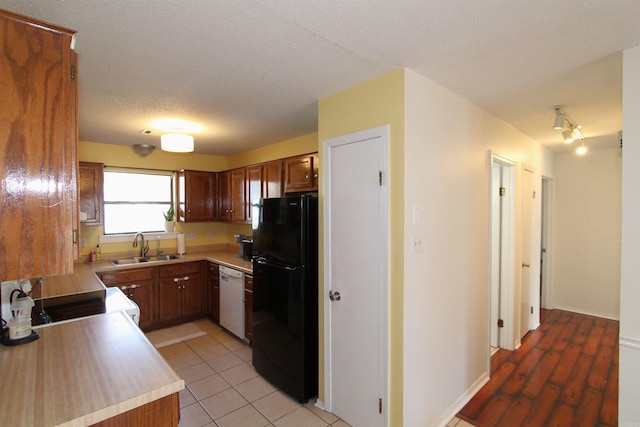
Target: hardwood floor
(564,374)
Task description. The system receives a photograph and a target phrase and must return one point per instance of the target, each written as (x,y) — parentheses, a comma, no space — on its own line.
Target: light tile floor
(223,389)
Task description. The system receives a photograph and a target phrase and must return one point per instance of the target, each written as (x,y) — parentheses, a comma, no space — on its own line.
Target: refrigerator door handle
(262,261)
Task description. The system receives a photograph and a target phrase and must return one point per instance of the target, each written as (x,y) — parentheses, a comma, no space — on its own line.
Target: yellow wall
(291,147)
(375,103)
(119,155)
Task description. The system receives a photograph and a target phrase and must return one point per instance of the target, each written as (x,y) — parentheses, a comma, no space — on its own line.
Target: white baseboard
(462,400)
(589,313)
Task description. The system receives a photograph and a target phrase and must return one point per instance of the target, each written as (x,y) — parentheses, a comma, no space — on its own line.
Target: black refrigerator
(285,293)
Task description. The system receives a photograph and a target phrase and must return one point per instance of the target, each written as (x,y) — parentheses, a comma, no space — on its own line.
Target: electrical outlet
(416,243)
(209,234)
(83,243)
(191,236)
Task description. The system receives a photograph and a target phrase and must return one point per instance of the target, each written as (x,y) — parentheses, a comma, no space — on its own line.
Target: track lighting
(573,133)
(558,123)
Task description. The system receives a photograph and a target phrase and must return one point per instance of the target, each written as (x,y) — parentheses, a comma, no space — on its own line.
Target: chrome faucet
(143,249)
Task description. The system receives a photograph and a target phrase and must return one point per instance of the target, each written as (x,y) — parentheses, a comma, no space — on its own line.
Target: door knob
(334,296)
(525,265)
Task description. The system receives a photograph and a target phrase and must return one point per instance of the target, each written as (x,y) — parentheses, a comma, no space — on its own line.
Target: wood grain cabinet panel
(181,292)
(248,307)
(213,290)
(37,149)
(91,189)
(197,196)
(301,173)
(139,285)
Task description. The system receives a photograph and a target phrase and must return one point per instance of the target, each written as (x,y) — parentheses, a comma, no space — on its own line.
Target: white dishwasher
(232,300)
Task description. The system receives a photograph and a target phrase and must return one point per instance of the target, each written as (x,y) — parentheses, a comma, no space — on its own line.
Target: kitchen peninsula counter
(83,372)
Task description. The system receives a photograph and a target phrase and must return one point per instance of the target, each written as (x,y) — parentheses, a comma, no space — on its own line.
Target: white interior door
(526,305)
(356,258)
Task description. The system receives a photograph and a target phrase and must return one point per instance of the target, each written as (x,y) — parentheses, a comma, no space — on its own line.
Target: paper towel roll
(181,247)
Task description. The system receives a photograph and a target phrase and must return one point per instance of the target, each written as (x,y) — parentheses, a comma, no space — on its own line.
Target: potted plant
(169,219)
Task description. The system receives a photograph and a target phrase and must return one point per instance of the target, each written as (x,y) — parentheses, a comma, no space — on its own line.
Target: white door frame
(546,243)
(507,253)
(378,132)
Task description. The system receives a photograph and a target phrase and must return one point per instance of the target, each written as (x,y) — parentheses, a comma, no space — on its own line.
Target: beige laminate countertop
(84,279)
(82,372)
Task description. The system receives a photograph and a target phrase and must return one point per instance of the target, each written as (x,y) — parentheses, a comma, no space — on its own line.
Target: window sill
(123,238)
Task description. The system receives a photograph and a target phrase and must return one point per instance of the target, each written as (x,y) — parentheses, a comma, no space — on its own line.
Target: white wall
(586,240)
(446,286)
(629,392)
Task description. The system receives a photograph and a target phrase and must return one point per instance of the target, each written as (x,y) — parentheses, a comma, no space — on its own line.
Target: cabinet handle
(134,286)
(124,288)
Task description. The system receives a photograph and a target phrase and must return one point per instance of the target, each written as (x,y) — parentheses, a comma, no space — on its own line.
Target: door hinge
(500,323)
(73,72)
(379,406)
(534,194)
(502,191)
(380,178)
(531,309)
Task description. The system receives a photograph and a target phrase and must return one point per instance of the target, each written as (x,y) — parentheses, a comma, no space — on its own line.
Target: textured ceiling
(250,72)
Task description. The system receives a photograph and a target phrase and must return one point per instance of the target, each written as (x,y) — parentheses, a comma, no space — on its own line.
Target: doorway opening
(502,199)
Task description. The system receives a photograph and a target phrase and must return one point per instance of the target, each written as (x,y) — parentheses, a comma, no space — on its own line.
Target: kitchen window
(135,200)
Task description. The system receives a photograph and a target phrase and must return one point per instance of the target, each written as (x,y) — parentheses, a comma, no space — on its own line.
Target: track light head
(567,137)
(560,118)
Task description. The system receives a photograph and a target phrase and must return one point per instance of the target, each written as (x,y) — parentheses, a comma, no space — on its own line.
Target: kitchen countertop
(81,372)
(89,369)
(85,281)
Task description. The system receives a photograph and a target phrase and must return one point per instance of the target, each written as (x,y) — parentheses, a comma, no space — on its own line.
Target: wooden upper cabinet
(91,185)
(231,205)
(272,179)
(196,196)
(253,182)
(38,145)
(301,173)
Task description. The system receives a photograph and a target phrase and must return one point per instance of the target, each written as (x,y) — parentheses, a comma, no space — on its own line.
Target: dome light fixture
(176,142)
(143,150)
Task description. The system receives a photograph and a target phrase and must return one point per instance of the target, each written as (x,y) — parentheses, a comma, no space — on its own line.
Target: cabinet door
(272,179)
(138,285)
(224,196)
(193,296)
(248,307)
(196,196)
(37,149)
(91,192)
(253,181)
(237,195)
(169,291)
(300,174)
(141,293)
(213,289)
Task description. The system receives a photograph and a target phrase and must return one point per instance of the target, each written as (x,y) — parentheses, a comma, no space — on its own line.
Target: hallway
(565,373)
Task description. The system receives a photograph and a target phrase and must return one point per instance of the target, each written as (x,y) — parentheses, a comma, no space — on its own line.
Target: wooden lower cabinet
(164,412)
(181,292)
(213,290)
(139,286)
(248,307)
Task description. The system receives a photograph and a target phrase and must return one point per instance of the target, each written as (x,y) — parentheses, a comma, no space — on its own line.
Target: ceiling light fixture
(176,142)
(143,150)
(558,123)
(573,133)
(581,150)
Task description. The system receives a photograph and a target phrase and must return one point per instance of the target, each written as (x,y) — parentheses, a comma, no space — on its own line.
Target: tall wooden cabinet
(196,196)
(232,196)
(38,144)
(91,188)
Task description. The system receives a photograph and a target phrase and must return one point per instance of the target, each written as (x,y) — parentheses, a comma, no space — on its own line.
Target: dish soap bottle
(98,253)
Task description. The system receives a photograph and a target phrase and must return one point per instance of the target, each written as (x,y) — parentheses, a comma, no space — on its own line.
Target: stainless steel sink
(140,259)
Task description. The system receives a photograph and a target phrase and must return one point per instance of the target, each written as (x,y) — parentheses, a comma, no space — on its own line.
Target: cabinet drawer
(116,277)
(248,283)
(180,269)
